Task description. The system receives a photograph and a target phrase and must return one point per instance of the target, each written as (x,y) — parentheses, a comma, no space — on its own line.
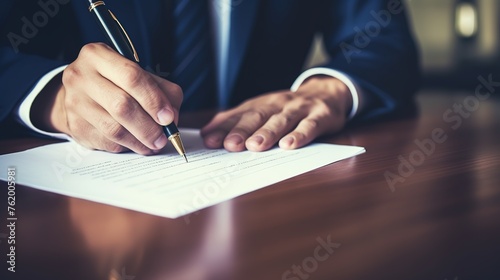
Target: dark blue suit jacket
(367,39)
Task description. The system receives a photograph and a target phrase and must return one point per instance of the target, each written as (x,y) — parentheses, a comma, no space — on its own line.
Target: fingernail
(161,142)
(287,142)
(165,116)
(256,140)
(235,139)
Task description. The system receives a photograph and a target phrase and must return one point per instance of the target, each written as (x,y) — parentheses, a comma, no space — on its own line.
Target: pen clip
(136,56)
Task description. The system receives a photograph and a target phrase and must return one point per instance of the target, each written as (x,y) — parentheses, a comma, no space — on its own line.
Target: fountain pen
(120,40)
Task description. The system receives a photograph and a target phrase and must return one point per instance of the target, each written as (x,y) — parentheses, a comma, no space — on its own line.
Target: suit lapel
(243,15)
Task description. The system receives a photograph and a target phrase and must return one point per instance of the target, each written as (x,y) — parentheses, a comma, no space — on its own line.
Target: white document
(164,185)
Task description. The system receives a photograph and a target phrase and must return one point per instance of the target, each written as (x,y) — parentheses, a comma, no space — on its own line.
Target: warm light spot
(466,20)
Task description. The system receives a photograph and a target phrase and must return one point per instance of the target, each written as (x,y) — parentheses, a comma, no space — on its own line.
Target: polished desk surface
(441,222)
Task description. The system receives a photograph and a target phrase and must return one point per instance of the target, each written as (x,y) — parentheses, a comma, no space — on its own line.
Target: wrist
(48,112)
(336,90)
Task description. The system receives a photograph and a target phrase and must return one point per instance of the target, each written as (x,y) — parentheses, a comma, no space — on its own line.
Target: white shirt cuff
(336,74)
(24,110)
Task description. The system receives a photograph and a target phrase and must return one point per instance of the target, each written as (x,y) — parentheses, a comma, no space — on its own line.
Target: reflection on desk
(435,218)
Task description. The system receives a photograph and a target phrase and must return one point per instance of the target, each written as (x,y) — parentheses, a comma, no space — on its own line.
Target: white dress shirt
(221,21)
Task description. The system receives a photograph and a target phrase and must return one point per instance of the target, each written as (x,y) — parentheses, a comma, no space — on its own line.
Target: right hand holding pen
(107,102)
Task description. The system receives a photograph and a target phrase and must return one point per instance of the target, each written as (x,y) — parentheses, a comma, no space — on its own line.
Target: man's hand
(293,119)
(108,102)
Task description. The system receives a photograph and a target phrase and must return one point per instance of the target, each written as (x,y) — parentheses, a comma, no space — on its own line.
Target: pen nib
(175,139)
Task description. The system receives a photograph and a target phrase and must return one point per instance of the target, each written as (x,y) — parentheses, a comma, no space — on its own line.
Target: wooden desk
(441,222)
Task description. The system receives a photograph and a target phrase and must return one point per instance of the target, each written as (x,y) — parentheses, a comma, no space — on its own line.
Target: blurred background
(458,41)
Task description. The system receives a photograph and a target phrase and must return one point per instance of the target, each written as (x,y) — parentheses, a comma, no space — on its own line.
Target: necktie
(193,67)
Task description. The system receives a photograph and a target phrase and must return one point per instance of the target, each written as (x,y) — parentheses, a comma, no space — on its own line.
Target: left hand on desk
(293,119)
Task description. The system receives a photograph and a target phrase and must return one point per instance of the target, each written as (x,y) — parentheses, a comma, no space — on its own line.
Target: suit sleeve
(21,64)
(372,43)
(19,74)
(353,89)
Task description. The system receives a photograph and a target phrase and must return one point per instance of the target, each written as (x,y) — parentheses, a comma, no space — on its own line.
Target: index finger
(134,80)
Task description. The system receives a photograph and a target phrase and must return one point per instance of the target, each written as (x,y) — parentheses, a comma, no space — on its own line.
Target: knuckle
(90,49)
(277,98)
(300,135)
(123,106)
(114,131)
(257,115)
(269,132)
(70,75)
(105,124)
(325,108)
(300,103)
(311,124)
(242,131)
(283,118)
(288,96)
(133,75)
